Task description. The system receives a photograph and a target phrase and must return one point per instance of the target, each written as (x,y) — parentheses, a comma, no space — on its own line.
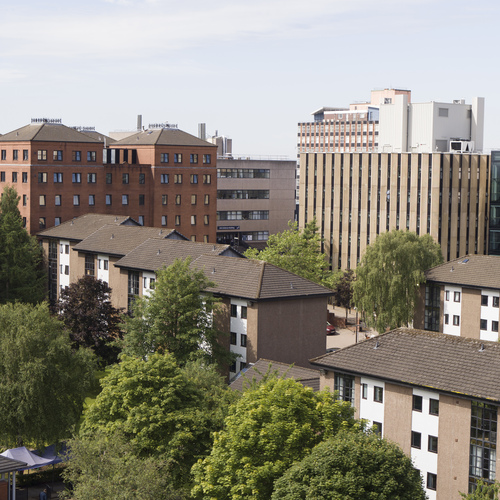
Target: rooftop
(448,363)
(48,132)
(163,137)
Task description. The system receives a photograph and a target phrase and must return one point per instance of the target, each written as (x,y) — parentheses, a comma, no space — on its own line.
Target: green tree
(389,276)
(43,381)
(352,466)
(267,430)
(161,409)
(101,467)
(22,273)
(483,491)
(298,252)
(178,317)
(86,310)
(344,289)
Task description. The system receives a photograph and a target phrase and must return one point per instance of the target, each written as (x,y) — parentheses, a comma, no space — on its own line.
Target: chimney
(139,123)
(202,133)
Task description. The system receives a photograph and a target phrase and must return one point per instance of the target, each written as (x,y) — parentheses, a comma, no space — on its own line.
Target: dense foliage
(43,382)
(389,276)
(177,318)
(352,466)
(22,273)
(268,429)
(483,491)
(86,310)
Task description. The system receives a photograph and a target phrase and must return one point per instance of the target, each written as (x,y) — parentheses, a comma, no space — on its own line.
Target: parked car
(330,329)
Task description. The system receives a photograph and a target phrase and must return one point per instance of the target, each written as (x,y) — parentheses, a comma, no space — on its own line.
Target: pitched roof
(162,137)
(437,361)
(80,227)
(153,254)
(482,271)
(9,465)
(120,239)
(256,279)
(47,132)
(306,376)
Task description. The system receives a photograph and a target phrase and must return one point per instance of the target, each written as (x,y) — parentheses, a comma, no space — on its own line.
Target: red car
(330,329)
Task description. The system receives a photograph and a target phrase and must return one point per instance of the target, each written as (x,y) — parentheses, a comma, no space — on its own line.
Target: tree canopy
(483,491)
(389,276)
(352,466)
(22,273)
(86,310)
(344,289)
(298,252)
(178,317)
(161,409)
(43,381)
(267,430)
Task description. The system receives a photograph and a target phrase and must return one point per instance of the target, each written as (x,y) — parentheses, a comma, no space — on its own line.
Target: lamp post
(356,309)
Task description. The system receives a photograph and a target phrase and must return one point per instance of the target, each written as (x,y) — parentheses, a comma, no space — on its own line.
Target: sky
(250,70)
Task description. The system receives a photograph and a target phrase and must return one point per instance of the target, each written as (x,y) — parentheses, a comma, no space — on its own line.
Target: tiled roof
(153,254)
(256,279)
(162,137)
(306,376)
(120,240)
(47,132)
(437,361)
(83,226)
(481,271)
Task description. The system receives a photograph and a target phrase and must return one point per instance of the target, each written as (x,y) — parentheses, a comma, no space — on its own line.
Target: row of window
(234,339)
(494,302)
(483,325)
(14,177)
(15,154)
(234,311)
(456,296)
(456,319)
(243,215)
(418,404)
(232,368)
(165,178)
(416,442)
(243,194)
(193,219)
(378,393)
(57,155)
(193,158)
(243,173)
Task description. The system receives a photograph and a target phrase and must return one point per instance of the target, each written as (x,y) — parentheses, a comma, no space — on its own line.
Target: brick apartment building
(161,177)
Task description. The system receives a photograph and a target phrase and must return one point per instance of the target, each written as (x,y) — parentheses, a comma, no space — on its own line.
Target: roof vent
(116,219)
(377,345)
(452,269)
(213,270)
(112,236)
(72,221)
(465,261)
(161,232)
(482,349)
(214,248)
(291,285)
(158,252)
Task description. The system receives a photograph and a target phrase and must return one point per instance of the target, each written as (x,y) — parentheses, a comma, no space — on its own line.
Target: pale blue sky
(249,69)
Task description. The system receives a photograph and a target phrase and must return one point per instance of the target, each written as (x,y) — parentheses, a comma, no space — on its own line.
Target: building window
(43,200)
(76,200)
(232,368)
(76,178)
(194,178)
(243,312)
(193,220)
(42,177)
(124,178)
(456,297)
(443,112)
(25,200)
(495,301)
(193,158)
(447,295)
(431,481)
(206,220)
(416,440)
(456,320)
(124,199)
(377,428)
(91,199)
(152,282)
(77,156)
(446,319)
(205,238)
(41,223)
(233,338)
(14,176)
(164,178)
(234,311)
(378,394)
(243,340)
(433,444)
(177,157)
(483,324)
(484,300)
(432,308)
(207,199)
(417,403)
(57,155)
(364,391)
(25,177)
(164,157)
(207,159)
(164,199)
(142,178)
(193,199)
(58,177)
(89,265)
(434,406)
(494,326)
(177,220)
(57,221)
(57,200)
(108,199)
(344,387)
(177,199)
(141,220)
(91,156)
(15,154)
(243,194)
(42,155)
(133,288)
(141,199)
(163,220)
(109,178)
(91,178)
(177,178)
(25,155)
(2,176)
(207,178)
